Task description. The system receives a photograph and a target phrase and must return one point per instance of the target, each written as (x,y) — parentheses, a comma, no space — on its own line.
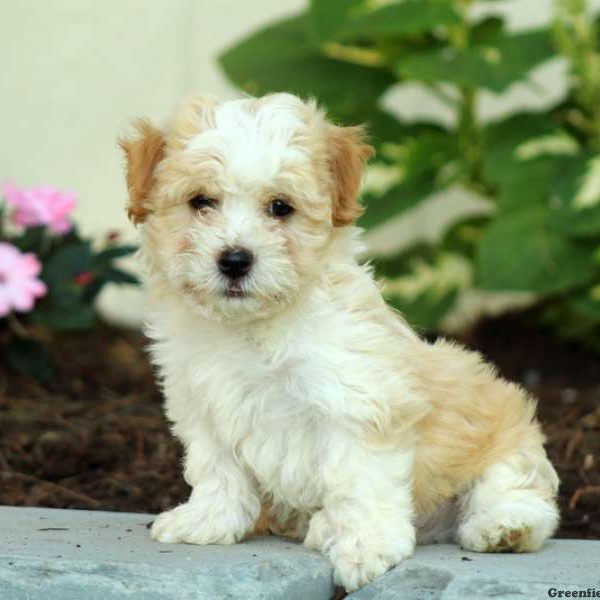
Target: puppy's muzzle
(234,263)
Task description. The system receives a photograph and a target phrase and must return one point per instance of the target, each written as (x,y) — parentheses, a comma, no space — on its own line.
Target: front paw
(355,565)
(359,557)
(190,523)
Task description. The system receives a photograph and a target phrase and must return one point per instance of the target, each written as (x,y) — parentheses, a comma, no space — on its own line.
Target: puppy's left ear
(348,155)
(144,150)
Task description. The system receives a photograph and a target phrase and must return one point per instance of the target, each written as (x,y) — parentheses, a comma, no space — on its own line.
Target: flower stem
(469,132)
(576,35)
(16,326)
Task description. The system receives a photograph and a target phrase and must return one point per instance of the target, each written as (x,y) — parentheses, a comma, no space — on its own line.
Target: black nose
(235,262)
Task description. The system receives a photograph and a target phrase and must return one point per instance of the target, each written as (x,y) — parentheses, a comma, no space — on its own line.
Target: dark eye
(200,201)
(280,208)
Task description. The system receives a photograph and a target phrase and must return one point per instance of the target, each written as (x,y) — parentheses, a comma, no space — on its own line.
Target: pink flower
(42,205)
(19,286)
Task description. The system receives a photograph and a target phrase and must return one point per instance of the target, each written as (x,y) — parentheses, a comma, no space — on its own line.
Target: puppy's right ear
(143,151)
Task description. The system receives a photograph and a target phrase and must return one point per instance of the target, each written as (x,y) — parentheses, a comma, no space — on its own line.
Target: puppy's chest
(274,412)
(267,385)
(287,459)
(259,369)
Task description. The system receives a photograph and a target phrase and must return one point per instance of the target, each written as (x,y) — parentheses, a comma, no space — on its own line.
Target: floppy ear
(349,153)
(144,150)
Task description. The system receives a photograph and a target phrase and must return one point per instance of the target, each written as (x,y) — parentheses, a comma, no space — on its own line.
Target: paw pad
(511,540)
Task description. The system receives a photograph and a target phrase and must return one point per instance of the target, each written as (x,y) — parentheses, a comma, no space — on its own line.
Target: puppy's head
(239,201)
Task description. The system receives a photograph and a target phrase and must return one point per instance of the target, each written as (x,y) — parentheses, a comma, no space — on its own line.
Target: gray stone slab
(445,572)
(88,555)
(85,555)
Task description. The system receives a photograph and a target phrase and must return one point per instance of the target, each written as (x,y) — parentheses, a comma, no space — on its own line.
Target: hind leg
(511,507)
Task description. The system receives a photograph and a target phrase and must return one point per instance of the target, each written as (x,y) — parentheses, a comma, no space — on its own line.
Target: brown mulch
(96,437)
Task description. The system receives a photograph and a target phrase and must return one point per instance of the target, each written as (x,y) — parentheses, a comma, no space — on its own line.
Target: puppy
(289,381)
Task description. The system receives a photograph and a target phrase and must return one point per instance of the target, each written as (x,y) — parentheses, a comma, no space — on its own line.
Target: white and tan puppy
(288,380)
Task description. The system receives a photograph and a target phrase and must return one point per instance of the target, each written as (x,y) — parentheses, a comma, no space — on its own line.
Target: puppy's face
(240,200)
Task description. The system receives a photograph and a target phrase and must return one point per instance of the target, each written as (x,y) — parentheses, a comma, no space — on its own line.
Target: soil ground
(96,437)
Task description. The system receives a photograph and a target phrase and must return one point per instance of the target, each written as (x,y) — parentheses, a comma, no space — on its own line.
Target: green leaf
(112,253)
(395,265)
(423,282)
(577,316)
(31,240)
(422,154)
(30,358)
(426,311)
(105,272)
(520,251)
(282,58)
(385,127)
(328,17)
(462,237)
(114,275)
(494,65)
(73,318)
(61,269)
(92,290)
(395,201)
(72,237)
(67,262)
(487,31)
(503,139)
(2,213)
(352,19)
(575,196)
(520,158)
(419,161)
(526,184)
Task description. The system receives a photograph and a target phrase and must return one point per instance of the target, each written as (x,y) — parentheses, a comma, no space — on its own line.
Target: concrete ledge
(74,555)
(446,572)
(70,555)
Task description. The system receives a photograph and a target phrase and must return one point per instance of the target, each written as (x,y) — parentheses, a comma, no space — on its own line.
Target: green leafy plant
(538,172)
(50,276)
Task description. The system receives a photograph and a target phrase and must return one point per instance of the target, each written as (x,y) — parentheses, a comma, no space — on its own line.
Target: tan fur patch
(143,152)
(476,419)
(348,156)
(268,524)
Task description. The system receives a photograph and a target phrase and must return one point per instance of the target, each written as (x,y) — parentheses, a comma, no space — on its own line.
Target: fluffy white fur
(308,396)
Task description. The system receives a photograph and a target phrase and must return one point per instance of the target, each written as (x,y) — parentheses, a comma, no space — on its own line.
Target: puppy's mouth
(234,290)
